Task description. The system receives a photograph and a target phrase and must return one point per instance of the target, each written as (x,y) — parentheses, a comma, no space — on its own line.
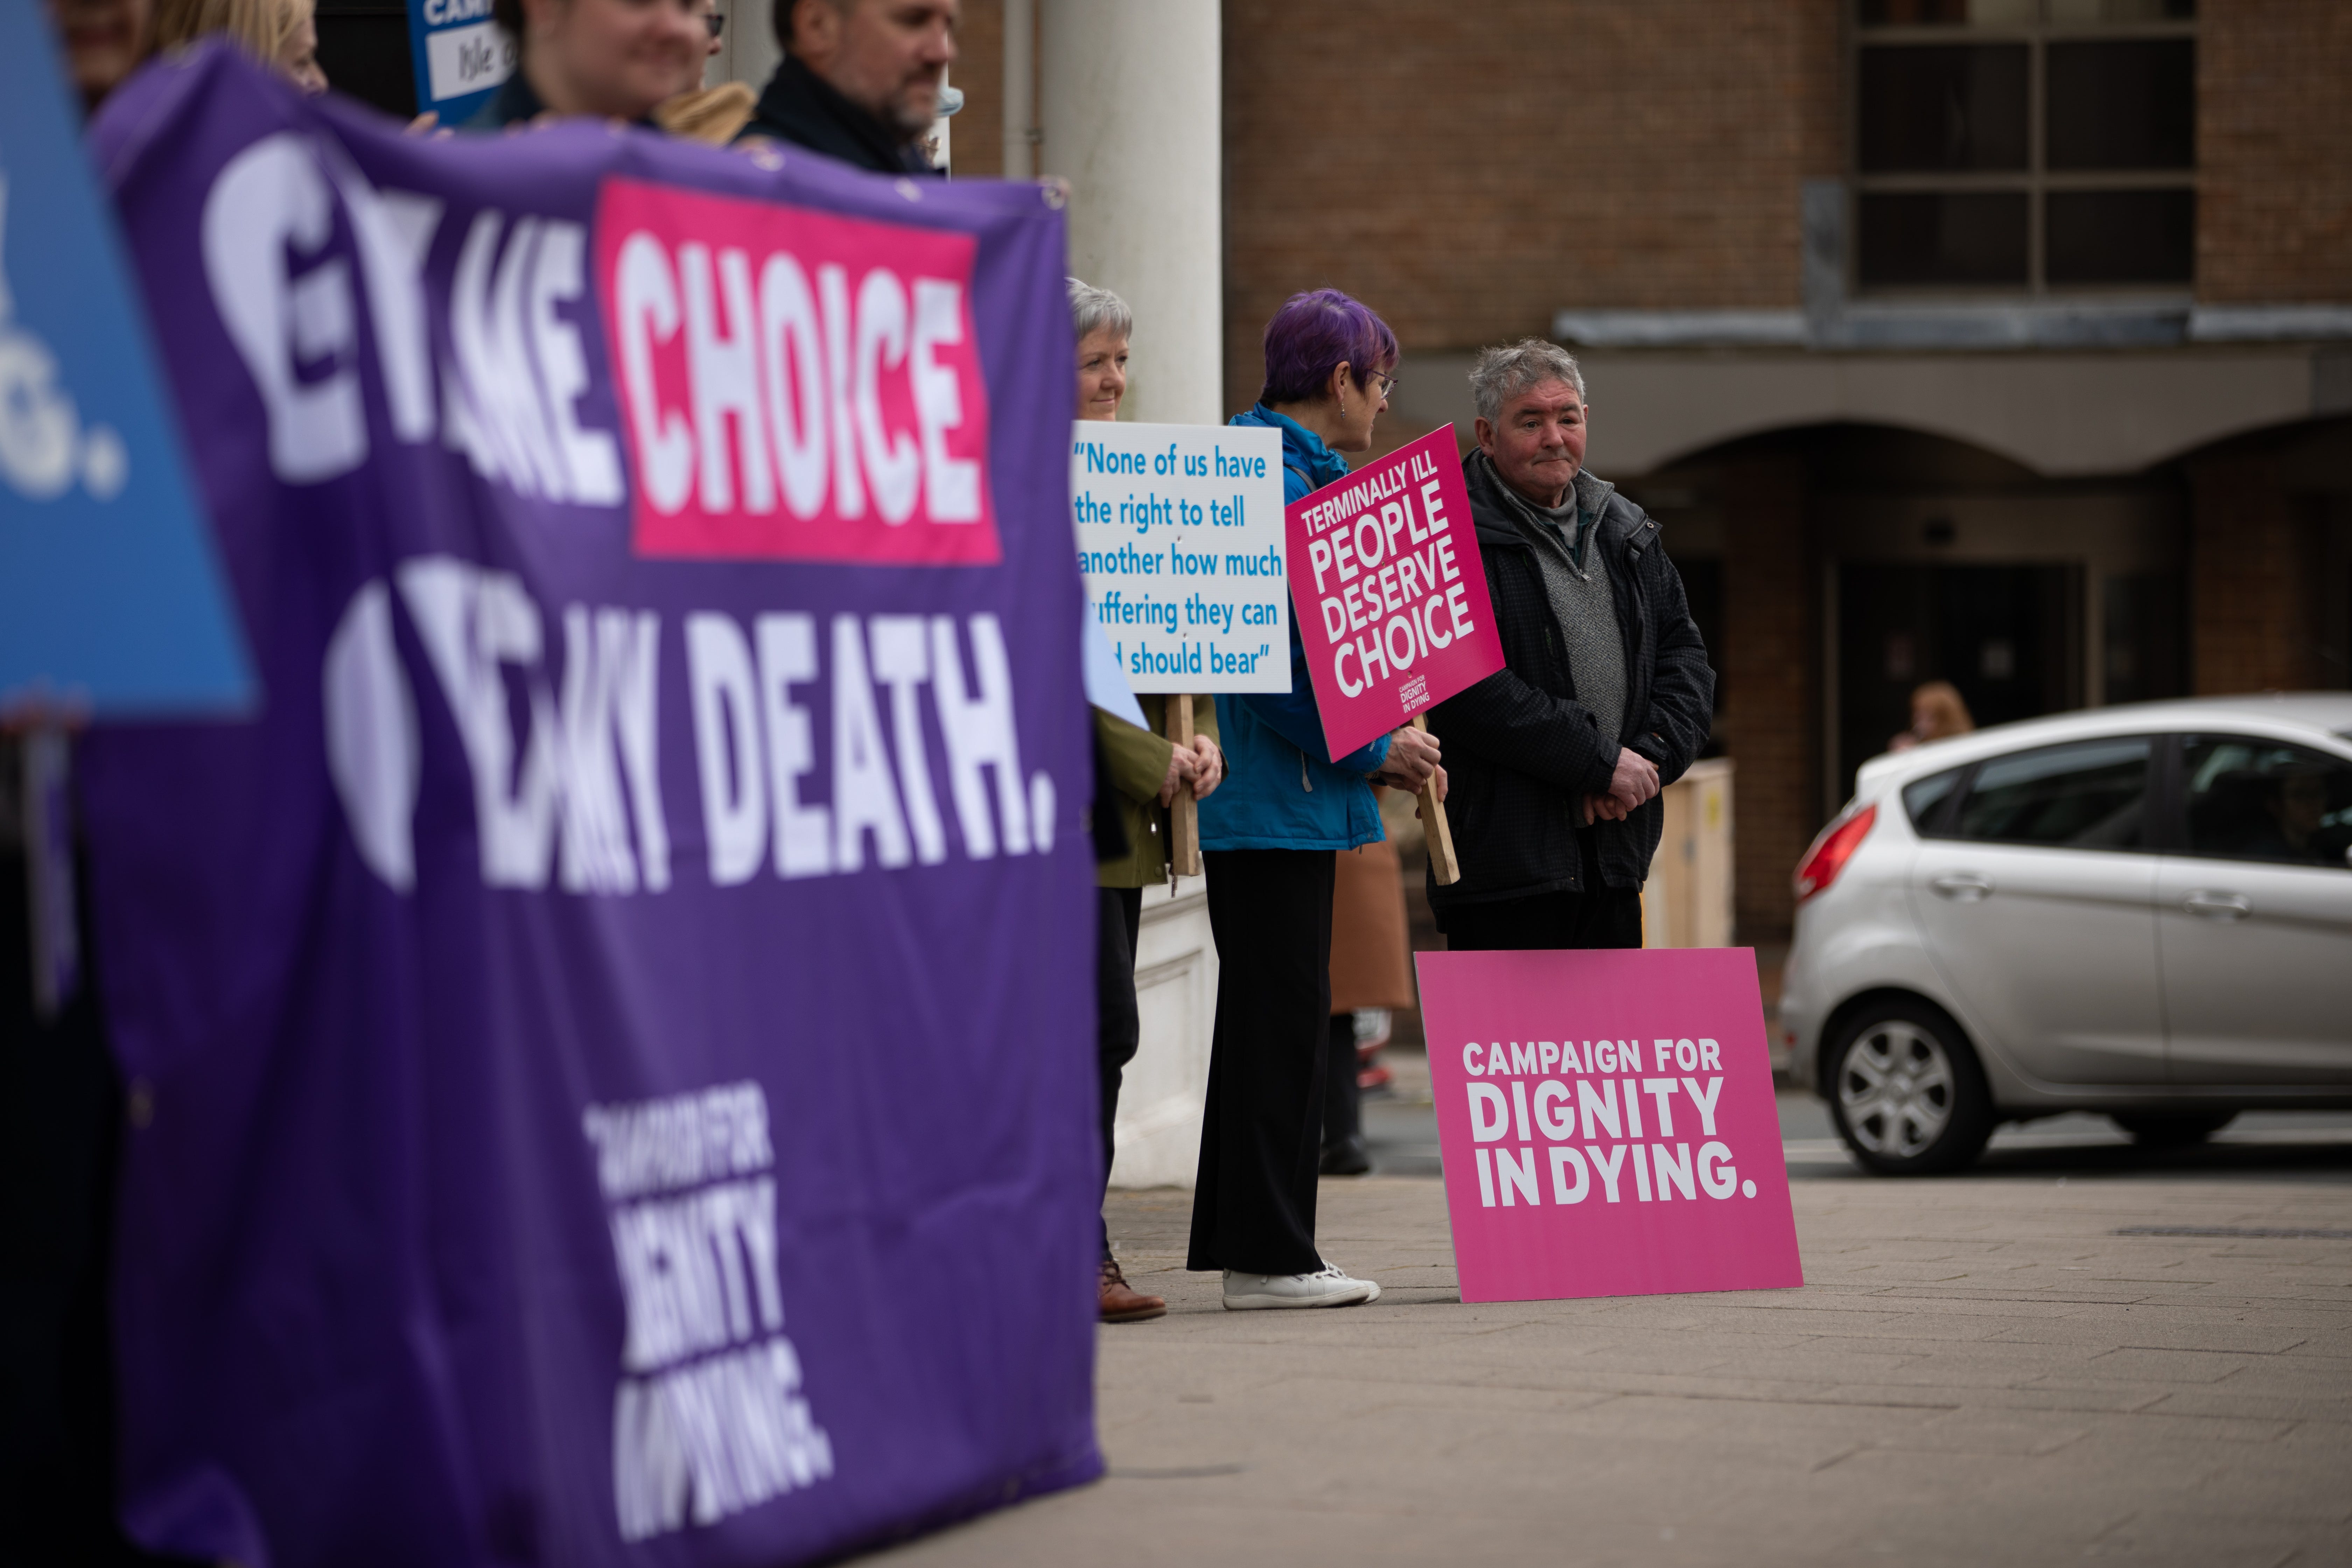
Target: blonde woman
(280,34)
(1939,712)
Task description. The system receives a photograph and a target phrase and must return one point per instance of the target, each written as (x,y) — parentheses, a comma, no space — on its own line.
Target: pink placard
(1607,1122)
(795,385)
(1391,596)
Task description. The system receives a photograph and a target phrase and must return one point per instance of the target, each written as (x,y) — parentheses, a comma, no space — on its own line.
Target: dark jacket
(801,107)
(1521,752)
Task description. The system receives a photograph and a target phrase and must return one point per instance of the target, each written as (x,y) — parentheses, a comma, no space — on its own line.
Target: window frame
(2181,845)
(1942,822)
(2036,181)
(1936,821)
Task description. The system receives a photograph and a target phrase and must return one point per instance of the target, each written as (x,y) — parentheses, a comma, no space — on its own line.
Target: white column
(1020,90)
(1130,98)
(1165,1090)
(748,51)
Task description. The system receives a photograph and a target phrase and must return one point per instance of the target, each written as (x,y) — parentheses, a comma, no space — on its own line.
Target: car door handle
(1963,889)
(2218,906)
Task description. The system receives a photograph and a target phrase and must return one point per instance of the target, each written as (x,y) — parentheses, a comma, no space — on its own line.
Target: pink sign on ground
(1607,1122)
(1391,598)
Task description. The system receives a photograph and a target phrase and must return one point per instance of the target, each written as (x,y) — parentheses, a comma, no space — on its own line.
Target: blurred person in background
(1937,713)
(1270,838)
(615,58)
(283,33)
(1605,696)
(1146,772)
(860,80)
(1370,974)
(2294,808)
(710,114)
(104,41)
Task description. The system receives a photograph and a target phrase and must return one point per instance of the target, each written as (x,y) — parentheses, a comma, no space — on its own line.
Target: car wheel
(2172,1128)
(1907,1092)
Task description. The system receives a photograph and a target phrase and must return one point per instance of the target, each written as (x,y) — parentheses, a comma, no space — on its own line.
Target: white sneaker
(1331,1287)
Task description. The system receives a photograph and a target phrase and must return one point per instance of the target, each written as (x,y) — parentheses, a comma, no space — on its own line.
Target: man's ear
(812,30)
(1486,434)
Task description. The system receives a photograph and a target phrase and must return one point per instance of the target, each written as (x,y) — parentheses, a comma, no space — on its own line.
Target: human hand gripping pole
(1442,863)
(1412,766)
(1184,810)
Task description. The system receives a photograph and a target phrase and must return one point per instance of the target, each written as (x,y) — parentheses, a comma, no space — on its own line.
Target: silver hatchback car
(2143,910)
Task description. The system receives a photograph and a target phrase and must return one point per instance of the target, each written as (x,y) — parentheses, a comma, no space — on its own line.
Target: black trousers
(1598,916)
(1118,1027)
(1261,1140)
(61,1118)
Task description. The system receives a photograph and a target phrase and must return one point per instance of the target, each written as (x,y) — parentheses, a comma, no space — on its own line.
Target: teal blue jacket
(1281,790)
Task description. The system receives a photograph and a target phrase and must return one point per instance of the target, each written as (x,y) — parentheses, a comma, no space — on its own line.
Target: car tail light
(1831,850)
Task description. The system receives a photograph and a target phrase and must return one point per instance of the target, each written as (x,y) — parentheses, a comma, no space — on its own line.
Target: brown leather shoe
(1121,1302)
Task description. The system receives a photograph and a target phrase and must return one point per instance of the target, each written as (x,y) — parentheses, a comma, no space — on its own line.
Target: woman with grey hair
(1103,324)
(1144,773)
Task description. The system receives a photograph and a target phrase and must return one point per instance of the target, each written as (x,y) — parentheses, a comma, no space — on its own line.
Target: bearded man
(861,79)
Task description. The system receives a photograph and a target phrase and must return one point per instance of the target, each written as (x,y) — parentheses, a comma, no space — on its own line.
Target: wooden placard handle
(1184,811)
(1442,863)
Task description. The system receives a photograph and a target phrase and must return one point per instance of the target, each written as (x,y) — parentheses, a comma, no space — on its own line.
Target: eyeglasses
(1388,383)
(716,21)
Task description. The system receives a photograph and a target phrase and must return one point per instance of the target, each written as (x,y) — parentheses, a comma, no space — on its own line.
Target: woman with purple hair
(1269,837)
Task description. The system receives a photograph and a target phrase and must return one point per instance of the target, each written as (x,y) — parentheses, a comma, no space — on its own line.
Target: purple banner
(611,1046)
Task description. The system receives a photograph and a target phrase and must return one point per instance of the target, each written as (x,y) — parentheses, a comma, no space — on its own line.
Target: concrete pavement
(2015,1366)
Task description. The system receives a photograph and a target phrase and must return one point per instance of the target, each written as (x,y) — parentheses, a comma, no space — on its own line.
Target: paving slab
(1980,1369)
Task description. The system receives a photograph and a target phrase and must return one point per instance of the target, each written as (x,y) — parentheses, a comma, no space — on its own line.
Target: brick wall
(1469,170)
(2275,151)
(2255,580)
(1771,724)
(978,131)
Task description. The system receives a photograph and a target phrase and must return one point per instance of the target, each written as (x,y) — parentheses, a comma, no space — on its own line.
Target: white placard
(1180,539)
(468,59)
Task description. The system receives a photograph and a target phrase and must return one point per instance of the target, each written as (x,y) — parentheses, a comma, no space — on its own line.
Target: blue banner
(110,598)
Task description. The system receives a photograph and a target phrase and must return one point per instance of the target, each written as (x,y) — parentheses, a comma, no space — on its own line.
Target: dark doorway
(2147,652)
(2009,637)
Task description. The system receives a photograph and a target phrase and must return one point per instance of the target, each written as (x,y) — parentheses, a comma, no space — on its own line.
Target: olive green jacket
(1137,761)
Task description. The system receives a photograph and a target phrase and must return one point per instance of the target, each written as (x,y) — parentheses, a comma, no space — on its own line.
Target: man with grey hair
(1605,696)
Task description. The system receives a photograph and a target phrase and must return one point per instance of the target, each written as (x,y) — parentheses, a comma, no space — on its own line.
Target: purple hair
(1311,334)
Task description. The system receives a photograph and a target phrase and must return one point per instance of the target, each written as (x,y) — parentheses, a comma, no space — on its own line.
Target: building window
(2025,146)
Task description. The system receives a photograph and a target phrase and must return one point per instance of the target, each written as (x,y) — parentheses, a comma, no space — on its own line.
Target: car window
(1922,796)
(2092,795)
(2265,800)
